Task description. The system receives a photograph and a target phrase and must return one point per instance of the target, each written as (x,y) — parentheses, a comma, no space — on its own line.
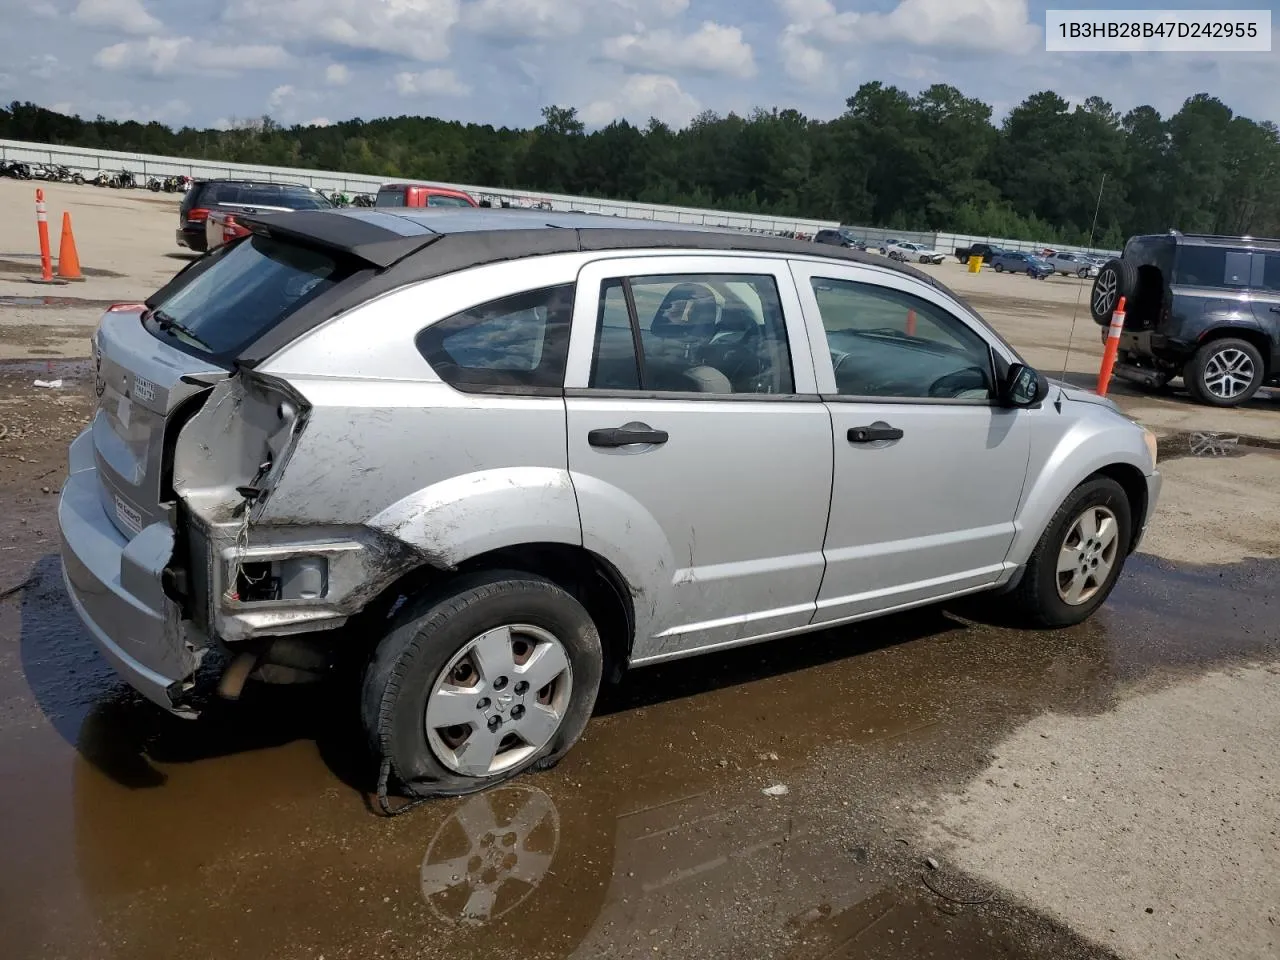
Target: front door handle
(626,434)
(876,431)
(1275,309)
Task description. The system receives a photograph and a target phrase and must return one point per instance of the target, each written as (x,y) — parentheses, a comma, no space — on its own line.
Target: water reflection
(490,854)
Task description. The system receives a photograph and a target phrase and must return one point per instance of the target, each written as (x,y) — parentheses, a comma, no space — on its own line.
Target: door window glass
(1213,267)
(697,333)
(1271,272)
(887,343)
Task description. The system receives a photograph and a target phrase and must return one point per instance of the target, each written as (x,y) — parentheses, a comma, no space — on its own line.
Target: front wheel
(476,685)
(1078,560)
(1224,373)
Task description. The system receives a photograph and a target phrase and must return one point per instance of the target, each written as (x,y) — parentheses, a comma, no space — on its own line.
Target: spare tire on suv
(1118,278)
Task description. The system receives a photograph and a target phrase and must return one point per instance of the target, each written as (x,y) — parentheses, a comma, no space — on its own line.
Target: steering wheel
(950,386)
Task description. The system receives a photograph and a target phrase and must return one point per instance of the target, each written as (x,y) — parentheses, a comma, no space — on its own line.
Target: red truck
(420,195)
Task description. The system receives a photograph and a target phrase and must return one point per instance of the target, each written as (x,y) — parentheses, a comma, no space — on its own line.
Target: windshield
(245,290)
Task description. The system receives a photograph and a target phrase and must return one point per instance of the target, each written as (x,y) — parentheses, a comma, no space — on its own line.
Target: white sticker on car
(130,517)
(143,390)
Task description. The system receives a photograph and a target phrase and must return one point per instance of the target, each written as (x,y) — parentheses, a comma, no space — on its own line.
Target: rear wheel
(998,268)
(1224,373)
(477,685)
(1078,560)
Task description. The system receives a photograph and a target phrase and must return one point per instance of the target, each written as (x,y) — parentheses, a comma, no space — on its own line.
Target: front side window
(697,333)
(516,342)
(1271,272)
(887,343)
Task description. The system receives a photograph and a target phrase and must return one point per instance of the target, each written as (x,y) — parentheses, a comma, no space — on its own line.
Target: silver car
(487,458)
(1073,265)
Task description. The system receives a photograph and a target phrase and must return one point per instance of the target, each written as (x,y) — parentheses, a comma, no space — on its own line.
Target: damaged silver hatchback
(487,458)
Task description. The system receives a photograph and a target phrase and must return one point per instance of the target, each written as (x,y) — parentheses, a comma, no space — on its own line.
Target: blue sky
(209,62)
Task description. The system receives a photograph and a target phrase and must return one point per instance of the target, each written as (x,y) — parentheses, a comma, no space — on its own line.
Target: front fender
(1061,463)
(465,516)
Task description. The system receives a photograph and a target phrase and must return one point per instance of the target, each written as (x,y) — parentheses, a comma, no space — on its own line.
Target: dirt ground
(1105,791)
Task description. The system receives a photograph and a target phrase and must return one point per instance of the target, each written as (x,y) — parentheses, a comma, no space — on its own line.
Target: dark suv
(840,238)
(238,196)
(1201,307)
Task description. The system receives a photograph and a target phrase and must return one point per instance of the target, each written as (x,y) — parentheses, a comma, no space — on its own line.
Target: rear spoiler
(361,237)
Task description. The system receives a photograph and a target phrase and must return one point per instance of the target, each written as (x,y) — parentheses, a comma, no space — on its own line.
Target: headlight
(1152,444)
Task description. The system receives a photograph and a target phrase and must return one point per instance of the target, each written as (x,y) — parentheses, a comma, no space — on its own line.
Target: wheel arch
(1134,484)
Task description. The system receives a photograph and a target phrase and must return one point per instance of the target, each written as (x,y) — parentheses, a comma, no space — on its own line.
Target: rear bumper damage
(115,586)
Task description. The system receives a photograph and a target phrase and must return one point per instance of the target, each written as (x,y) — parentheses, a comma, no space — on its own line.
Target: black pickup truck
(983,250)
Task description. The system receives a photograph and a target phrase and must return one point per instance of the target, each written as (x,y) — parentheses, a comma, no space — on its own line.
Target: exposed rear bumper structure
(114,583)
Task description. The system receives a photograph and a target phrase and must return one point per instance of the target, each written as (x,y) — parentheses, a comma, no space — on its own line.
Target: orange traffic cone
(68,259)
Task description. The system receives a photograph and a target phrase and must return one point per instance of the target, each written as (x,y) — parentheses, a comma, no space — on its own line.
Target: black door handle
(877,431)
(626,434)
(1275,309)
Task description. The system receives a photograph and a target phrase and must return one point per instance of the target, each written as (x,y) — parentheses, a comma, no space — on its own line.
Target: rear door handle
(1275,309)
(874,432)
(626,434)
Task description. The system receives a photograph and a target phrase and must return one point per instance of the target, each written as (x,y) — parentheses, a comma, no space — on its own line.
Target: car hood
(1079,395)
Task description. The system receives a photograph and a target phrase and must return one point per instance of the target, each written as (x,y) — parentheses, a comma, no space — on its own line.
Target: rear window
(264,195)
(443,200)
(242,291)
(390,198)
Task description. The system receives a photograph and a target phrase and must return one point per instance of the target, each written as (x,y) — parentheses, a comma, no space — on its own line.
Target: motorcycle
(101,180)
(154,184)
(174,184)
(15,169)
(363,200)
(123,180)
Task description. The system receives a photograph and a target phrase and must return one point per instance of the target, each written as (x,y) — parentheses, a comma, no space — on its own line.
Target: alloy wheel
(1228,373)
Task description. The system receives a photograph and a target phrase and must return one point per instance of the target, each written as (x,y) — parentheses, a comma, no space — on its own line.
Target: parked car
(915,253)
(1016,262)
(1072,265)
(419,195)
(224,201)
(455,454)
(886,244)
(983,250)
(1204,308)
(840,238)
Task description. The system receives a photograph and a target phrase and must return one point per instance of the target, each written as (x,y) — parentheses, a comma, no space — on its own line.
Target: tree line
(934,161)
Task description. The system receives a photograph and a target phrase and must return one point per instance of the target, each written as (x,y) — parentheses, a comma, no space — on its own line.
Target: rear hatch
(156,365)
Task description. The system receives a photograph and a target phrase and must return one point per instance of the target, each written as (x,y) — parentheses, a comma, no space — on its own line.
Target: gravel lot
(1070,782)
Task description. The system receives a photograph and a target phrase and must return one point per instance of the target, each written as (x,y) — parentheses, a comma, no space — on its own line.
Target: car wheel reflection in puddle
(490,854)
(1213,444)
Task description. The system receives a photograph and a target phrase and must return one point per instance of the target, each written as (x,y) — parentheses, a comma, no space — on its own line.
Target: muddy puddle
(63,302)
(1208,444)
(250,833)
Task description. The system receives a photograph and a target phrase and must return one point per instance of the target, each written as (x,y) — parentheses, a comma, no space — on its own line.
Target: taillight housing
(230,229)
(198,214)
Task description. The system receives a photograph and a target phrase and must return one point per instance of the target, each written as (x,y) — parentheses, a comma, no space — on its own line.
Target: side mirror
(1024,387)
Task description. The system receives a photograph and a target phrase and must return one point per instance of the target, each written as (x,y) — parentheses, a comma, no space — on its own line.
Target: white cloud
(642,96)
(167,56)
(712,48)
(279,95)
(121,16)
(415,29)
(336,75)
(64,107)
(559,19)
(44,10)
(430,83)
(44,67)
(318,122)
(815,28)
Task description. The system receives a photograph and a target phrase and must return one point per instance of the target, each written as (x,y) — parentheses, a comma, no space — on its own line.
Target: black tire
(1197,373)
(1037,597)
(427,635)
(1119,278)
(998,267)
(1082,273)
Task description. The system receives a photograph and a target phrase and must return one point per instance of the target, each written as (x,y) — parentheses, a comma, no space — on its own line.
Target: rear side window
(442,200)
(519,343)
(1213,267)
(242,291)
(389,198)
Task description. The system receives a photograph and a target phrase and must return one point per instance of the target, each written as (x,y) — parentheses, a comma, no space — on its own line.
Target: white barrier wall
(91,161)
